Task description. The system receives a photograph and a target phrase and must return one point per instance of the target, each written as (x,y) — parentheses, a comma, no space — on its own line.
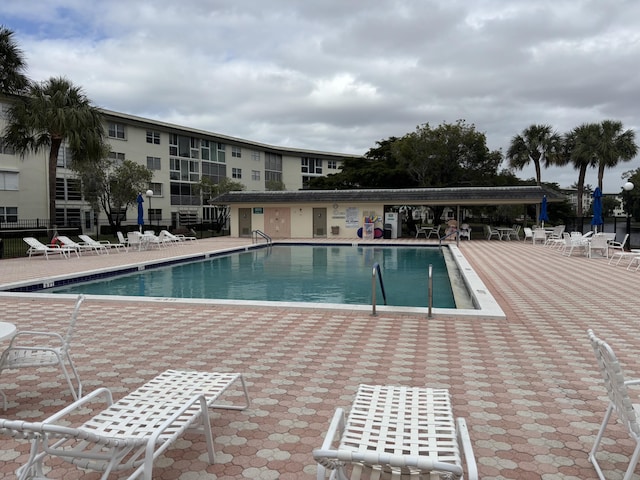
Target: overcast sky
(340,75)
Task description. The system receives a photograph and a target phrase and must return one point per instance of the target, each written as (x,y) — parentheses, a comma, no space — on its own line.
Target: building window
(116,130)
(68,189)
(236,152)
(255,155)
(205,150)
(117,158)
(273,161)
(64,157)
(70,217)
(255,174)
(311,165)
(9,181)
(153,163)
(153,137)
(236,173)
(8,214)
(332,165)
(185,170)
(6,149)
(156,188)
(221,153)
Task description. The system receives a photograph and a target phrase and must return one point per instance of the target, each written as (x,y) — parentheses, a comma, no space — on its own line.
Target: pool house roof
(514,195)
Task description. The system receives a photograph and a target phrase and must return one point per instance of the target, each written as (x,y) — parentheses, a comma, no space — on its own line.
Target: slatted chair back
(614,382)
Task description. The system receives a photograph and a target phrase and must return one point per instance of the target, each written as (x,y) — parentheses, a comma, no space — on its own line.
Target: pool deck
(528,385)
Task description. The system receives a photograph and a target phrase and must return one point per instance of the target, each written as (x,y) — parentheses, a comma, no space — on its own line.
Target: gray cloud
(339,76)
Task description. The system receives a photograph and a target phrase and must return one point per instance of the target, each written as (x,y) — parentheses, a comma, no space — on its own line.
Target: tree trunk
(53,168)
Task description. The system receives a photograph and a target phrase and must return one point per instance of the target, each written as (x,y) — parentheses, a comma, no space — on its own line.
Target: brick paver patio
(528,384)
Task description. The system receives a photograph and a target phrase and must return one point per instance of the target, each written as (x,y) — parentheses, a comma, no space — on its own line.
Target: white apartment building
(179,157)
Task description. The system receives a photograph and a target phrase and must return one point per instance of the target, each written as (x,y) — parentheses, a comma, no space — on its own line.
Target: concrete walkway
(527,385)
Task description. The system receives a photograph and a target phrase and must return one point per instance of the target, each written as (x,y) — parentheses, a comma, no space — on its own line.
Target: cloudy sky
(340,75)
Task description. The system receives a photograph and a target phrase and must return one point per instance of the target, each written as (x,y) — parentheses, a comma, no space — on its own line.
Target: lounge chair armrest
(25,333)
(469,457)
(634,381)
(108,397)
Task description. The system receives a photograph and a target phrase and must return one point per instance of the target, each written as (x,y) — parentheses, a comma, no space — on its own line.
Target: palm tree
(12,78)
(538,144)
(614,145)
(50,113)
(579,150)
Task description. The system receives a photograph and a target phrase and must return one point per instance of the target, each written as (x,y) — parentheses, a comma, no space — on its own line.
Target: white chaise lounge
(132,432)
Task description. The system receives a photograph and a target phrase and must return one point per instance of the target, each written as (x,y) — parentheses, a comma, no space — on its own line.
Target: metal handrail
(455,232)
(376,269)
(257,233)
(430,290)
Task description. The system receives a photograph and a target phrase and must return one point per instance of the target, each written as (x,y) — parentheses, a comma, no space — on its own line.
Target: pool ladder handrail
(444,237)
(376,269)
(260,233)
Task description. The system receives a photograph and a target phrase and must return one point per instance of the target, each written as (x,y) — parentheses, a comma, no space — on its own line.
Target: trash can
(388,229)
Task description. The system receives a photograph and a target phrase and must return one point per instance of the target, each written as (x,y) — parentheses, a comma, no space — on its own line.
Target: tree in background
(614,145)
(448,155)
(50,113)
(578,149)
(12,64)
(210,190)
(631,199)
(537,144)
(112,186)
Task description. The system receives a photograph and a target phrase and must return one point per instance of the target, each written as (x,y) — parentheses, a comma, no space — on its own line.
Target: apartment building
(179,157)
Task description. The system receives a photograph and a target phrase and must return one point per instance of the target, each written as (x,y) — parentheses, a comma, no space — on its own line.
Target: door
(319,222)
(244,222)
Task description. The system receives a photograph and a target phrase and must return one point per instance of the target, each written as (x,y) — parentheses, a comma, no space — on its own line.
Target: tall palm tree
(538,144)
(50,113)
(615,145)
(12,64)
(579,149)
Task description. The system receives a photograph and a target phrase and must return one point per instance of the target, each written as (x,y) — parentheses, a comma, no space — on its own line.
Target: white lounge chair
(102,243)
(390,433)
(619,402)
(528,234)
(618,246)
(177,238)
(36,247)
(82,247)
(29,349)
(130,433)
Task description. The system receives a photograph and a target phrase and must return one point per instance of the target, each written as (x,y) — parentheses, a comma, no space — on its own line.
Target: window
(8,214)
(236,173)
(117,158)
(311,165)
(205,150)
(68,189)
(255,174)
(9,181)
(68,216)
(236,152)
(221,154)
(116,130)
(332,165)
(157,189)
(64,157)
(186,170)
(255,155)
(153,163)
(153,137)
(273,161)
(5,149)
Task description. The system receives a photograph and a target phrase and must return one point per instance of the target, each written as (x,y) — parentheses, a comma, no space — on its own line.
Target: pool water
(292,273)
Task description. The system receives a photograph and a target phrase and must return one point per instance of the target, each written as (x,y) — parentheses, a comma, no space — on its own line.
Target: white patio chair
(554,239)
(515,232)
(492,232)
(29,349)
(36,247)
(618,246)
(104,243)
(573,242)
(528,234)
(539,235)
(130,433)
(598,243)
(123,240)
(389,433)
(619,401)
(82,247)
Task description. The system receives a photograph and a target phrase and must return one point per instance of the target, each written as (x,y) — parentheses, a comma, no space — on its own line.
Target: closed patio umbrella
(140,201)
(597,209)
(544,217)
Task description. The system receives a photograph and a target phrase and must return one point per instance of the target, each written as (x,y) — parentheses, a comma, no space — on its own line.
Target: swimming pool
(335,274)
